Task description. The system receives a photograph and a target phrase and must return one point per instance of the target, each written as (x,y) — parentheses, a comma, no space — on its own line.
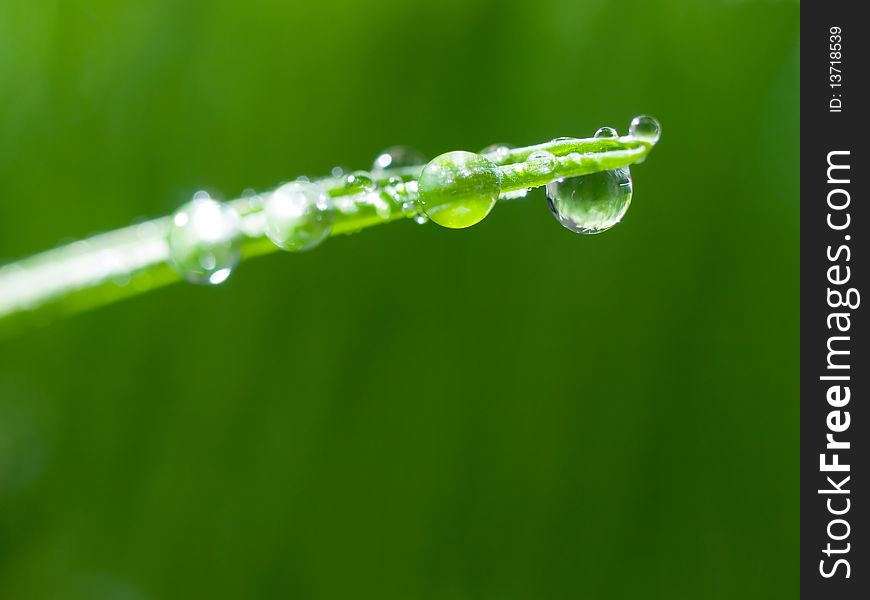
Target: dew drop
(606,132)
(458,189)
(591,203)
(564,139)
(204,240)
(421,219)
(645,128)
(358,182)
(396,157)
(298,216)
(540,162)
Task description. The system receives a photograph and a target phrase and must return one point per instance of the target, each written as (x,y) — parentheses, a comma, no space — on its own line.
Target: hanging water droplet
(358,182)
(645,128)
(540,162)
(204,240)
(458,189)
(396,157)
(591,203)
(298,216)
(606,132)
(497,153)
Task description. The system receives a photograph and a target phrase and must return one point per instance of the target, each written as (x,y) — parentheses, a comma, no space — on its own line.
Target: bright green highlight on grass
(588,185)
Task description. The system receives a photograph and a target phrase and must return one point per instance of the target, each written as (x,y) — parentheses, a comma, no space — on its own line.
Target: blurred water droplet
(421,219)
(515,194)
(204,240)
(591,203)
(396,157)
(497,153)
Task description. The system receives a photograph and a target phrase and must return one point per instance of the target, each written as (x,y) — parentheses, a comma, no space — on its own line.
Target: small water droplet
(421,219)
(337,171)
(204,240)
(564,139)
(358,182)
(591,203)
(606,132)
(645,128)
(458,189)
(497,153)
(540,162)
(298,216)
(396,157)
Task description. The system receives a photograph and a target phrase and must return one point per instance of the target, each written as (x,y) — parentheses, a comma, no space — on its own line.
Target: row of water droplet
(205,236)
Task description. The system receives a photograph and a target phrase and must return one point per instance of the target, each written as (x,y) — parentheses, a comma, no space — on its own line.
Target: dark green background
(509,411)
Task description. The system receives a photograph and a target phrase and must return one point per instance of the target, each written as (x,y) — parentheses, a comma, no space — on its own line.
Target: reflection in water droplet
(591,203)
(458,189)
(540,162)
(358,182)
(606,132)
(204,240)
(298,216)
(645,128)
(396,157)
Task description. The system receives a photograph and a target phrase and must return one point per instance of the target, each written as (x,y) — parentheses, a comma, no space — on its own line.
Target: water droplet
(204,240)
(421,219)
(298,216)
(591,203)
(606,132)
(564,139)
(358,182)
(337,171)
(540,162)
(396,157)
(458,189)
(497,153)
(645,128)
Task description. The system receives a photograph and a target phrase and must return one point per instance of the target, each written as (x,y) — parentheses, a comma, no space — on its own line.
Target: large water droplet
(204,240)
(645,128)
(298,216)
(357,182)
(396,157)
(591,203)
(606,132)
(458,189)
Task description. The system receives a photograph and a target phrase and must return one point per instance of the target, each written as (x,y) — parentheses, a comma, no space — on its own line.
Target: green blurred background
(509,411)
